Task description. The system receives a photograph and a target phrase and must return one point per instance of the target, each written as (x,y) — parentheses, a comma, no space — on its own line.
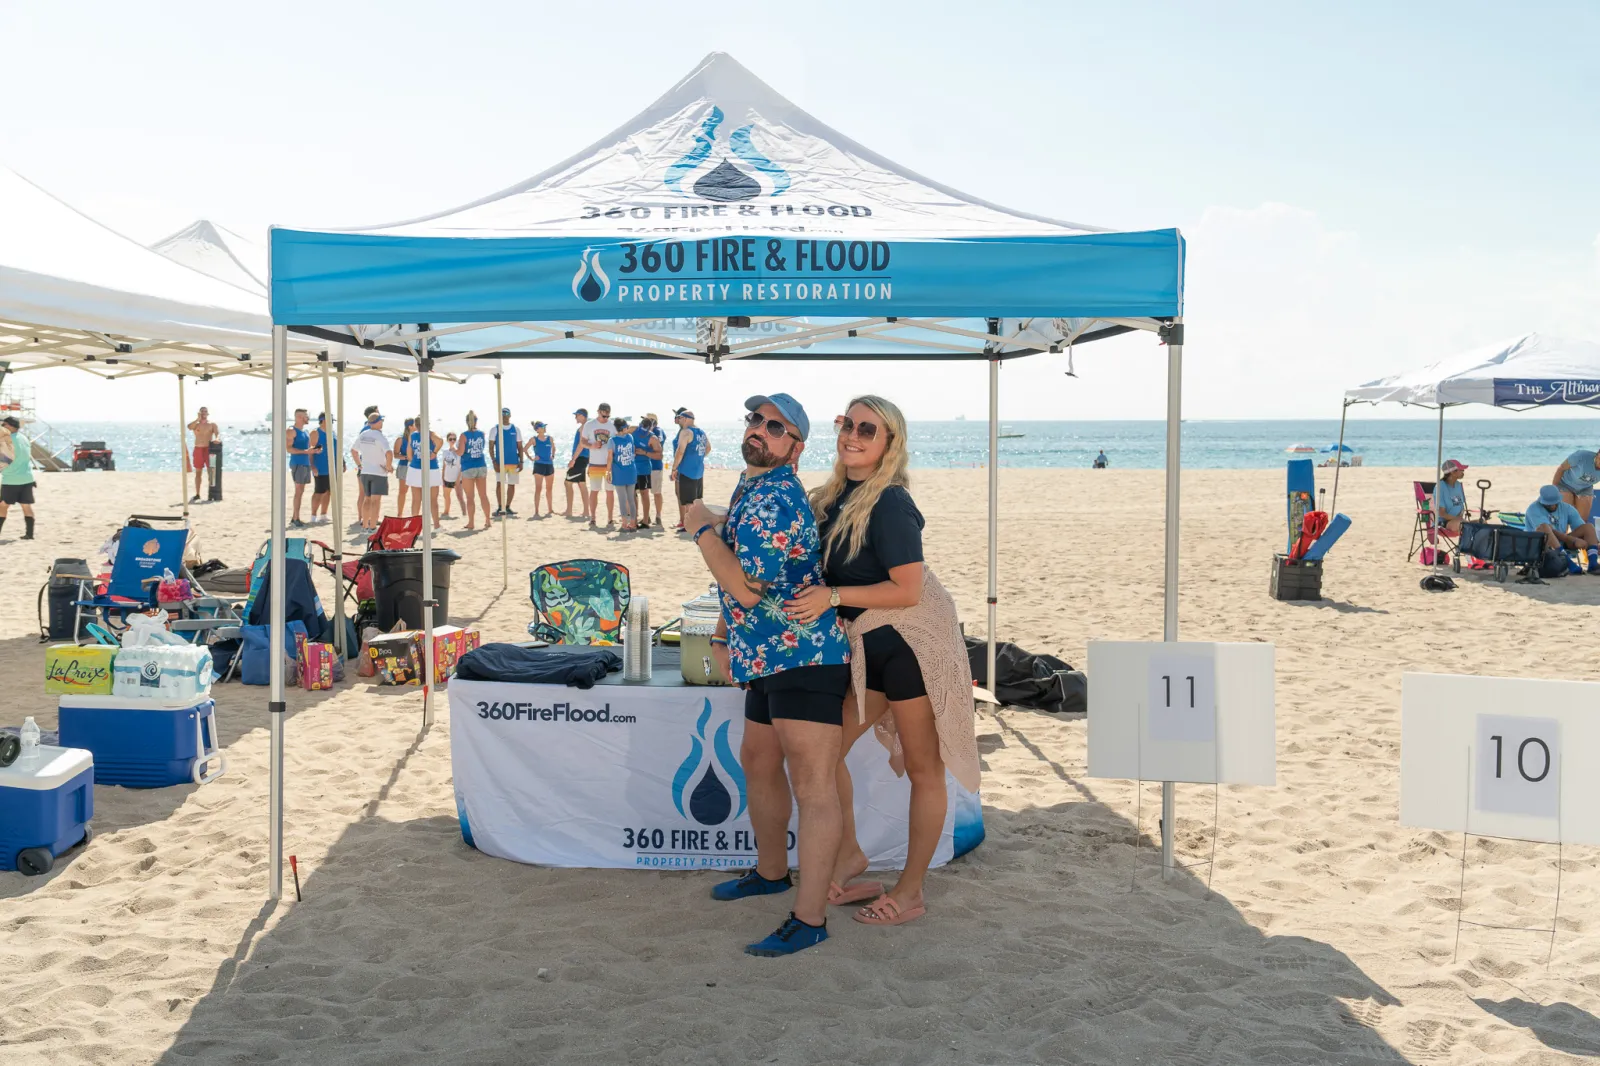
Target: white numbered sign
(1182,697)
(1182,711)
(1516,765)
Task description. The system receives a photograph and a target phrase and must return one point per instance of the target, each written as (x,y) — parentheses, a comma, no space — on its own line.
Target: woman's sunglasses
(775,429)
(846,425)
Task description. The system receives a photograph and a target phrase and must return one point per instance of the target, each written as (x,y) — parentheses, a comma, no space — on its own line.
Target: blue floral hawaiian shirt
(774,535)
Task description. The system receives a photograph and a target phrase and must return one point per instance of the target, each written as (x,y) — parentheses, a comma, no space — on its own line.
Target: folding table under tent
(723,222)
(1520,374)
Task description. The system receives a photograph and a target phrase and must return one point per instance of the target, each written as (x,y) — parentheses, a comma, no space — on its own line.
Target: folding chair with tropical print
(580,601)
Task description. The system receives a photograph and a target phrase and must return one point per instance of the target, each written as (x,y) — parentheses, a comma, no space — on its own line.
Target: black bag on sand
(1553,563)
(1023,679)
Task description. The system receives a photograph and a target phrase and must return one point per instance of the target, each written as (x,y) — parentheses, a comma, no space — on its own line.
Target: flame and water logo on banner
(718,176)
(709,802)
(590,282)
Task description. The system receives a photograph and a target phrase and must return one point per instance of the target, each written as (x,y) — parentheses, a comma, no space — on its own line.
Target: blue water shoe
(792,936)
(751,884)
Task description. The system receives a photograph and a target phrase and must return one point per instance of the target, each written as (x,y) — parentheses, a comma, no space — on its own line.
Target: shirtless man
(205,431)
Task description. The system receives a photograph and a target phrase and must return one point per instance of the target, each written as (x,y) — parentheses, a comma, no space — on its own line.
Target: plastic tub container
(45,806)
(397,586)
(143,743)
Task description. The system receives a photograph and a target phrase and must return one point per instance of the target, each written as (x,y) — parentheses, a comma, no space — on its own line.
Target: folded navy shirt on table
(578,665)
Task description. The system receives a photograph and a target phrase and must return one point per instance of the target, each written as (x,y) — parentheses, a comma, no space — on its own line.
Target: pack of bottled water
(171,672)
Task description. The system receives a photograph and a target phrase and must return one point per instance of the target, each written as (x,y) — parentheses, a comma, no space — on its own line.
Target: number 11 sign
(1177,711)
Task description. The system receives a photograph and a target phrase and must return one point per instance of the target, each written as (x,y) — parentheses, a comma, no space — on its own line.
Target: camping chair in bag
(354,579)
(580,601)
(301,602)
(1426,537)
(143,557)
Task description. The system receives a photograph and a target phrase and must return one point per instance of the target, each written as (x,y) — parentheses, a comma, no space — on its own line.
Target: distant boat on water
(262,427)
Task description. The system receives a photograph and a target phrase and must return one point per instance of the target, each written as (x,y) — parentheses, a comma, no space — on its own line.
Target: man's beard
(756,453)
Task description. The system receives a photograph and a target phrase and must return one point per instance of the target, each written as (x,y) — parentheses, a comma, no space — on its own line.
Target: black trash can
(397,585)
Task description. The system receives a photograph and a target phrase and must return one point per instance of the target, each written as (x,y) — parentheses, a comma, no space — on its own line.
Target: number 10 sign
(1501,757)
(1174,711)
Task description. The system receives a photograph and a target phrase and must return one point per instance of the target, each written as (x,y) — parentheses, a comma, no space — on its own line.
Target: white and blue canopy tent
(1524,373)
(723,222)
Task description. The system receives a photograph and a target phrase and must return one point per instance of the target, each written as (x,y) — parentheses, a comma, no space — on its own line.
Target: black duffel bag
(1023,679)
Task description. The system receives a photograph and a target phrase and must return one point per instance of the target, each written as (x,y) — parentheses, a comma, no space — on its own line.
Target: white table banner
(644,777)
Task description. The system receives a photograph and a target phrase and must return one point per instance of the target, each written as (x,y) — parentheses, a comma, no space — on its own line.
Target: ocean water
(1534,441)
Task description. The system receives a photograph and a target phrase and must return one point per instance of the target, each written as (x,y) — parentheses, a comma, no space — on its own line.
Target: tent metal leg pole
(277,631)
(424,450)
(183,456)
(333,474)
(500,475)
(1438,468)
(336,468)
(994,515)
(1338,459)
(1169,615)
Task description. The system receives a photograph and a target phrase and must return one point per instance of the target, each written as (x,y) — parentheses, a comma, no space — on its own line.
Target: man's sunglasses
(775,429)
(845,425)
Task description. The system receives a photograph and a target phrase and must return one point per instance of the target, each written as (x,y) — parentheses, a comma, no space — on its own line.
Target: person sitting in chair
(1563,526)
(1450,499)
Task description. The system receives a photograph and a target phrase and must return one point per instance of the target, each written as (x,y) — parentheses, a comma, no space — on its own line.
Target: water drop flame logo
(590,282)
(724,180)
(709,802)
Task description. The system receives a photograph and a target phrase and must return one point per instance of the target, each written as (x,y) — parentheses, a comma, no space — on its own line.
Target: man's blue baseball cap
(787,406)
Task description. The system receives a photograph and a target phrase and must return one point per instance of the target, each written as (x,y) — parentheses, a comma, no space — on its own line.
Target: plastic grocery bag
(149,630)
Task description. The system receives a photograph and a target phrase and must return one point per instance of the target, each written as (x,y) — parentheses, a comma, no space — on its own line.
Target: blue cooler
(45,806)
(144,743)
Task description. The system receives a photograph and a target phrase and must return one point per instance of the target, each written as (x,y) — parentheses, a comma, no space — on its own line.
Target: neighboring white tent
(1532,370)
(1520,374)
(218,252)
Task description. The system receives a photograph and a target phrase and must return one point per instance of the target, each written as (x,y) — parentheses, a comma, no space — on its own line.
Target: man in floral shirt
(795,676)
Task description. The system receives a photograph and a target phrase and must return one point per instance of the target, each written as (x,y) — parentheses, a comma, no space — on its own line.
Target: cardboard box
(397,657)
(80,671)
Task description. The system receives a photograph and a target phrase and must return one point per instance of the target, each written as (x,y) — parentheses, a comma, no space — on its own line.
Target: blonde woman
(911,682)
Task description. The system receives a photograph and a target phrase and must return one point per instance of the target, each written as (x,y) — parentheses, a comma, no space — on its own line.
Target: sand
(1326,937)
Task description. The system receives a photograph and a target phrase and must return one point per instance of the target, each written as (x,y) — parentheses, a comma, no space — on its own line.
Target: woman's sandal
(844,895)
(885,911)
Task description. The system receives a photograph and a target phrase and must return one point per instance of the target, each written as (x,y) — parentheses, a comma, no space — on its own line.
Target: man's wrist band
(701,531)
(723,641)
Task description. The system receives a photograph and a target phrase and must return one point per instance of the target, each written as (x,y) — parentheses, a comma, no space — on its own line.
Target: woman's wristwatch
(833,596)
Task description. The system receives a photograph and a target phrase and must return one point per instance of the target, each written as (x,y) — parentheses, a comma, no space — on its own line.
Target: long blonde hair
(850,531)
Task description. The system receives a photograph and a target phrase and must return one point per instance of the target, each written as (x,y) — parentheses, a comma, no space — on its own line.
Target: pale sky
(1365,187)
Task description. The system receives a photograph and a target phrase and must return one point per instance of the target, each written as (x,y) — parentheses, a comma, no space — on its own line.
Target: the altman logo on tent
(725,171)
(590,282)
(709,802)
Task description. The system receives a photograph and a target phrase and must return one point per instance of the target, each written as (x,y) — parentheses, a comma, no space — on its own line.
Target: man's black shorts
(690,489)
(17,493)
(803,694)
(642,482)
(892,666)
(320,484)
(576,471)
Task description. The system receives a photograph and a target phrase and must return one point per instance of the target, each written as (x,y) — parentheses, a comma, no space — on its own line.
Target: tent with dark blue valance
(723,222)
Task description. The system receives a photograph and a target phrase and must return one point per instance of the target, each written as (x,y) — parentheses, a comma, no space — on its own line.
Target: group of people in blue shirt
(1562,512)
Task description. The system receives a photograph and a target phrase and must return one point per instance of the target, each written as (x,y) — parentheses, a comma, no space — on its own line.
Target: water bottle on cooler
(30,741)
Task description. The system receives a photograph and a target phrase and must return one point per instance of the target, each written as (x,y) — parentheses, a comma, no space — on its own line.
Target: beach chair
(143,558)
(353,580)
(1426,537)
(301,604)
(580,601)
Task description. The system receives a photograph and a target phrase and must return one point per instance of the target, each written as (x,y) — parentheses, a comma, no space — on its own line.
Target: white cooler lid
(124,703)
(51,768)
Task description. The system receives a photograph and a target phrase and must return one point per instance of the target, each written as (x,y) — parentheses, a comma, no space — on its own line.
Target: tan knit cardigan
(930,629)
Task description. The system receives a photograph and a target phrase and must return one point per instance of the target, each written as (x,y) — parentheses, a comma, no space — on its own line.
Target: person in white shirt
(374,460)
(596,437)
(450,473)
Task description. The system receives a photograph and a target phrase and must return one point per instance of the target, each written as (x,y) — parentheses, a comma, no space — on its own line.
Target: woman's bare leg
(852,861)
(919,739)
